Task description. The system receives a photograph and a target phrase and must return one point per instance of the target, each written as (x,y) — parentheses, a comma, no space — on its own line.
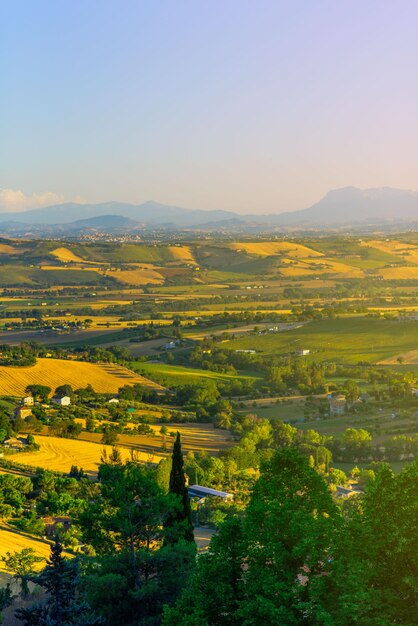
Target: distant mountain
(104,223)
(351,205)
(341,208)
(151,213)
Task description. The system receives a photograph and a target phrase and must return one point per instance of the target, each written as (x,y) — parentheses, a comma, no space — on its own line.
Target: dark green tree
(60,579)
(178,524)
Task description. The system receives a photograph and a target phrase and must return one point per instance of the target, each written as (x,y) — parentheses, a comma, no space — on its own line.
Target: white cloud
(16,200)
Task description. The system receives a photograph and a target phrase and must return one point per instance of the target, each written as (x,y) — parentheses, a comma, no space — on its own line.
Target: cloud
(14,200)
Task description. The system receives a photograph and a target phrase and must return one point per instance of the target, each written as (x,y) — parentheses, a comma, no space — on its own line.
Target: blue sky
(258,106)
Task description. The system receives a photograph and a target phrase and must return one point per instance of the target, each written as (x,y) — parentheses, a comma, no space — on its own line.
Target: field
(13,541)
(345,340)
(269,248)
(407,358)
(178,375)
(59,454)
(105,378)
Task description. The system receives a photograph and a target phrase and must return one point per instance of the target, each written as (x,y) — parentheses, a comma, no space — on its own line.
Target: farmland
(105,378)
(345,340)
(59,455)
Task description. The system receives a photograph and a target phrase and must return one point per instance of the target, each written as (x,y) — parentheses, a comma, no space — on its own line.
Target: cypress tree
(179,522)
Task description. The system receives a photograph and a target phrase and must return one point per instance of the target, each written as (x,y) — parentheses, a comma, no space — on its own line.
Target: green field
(177,375)
(346,340)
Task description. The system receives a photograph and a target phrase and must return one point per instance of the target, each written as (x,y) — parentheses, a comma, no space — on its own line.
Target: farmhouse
(53,523)
(22,412)
(113,401)
(303,352)
(245,351)
(64,401)
(337,404)
(27,401)
(196,491)
(13,443)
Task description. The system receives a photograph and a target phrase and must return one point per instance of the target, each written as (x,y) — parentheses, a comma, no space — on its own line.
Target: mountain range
(384,207)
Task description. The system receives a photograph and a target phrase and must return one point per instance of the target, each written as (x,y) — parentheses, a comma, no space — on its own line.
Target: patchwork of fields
(345,340)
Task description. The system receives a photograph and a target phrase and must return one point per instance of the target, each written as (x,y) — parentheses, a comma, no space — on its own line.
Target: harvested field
(58,454)
(11,541)
(66,256)
(194,438)
(408,358)
(143,276)
(182,253)
(399,273)
(105,378)
(270,248)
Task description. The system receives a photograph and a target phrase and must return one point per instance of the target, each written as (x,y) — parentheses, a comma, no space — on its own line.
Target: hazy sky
(254,106)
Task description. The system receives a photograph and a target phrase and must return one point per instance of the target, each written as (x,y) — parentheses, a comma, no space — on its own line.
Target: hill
(346,206)
(105,378)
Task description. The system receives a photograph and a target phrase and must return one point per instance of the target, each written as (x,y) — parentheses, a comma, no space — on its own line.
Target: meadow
(344,340)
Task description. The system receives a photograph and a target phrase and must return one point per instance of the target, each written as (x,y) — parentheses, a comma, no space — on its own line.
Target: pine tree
(179,523)
(60,579)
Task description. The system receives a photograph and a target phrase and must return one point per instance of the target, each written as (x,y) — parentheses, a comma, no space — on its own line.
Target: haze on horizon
(254,107)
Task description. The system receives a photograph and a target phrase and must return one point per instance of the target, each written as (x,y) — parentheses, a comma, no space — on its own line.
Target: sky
(257,106)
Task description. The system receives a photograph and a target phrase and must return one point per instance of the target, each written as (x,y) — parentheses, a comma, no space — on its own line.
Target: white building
(27,401)
(64,401)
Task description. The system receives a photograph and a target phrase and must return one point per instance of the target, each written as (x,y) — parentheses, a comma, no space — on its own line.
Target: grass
(345,340)
(175,375)
(105,378)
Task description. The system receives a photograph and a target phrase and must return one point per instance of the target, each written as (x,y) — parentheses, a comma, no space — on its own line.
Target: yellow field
(137,276)
(59,454)
(6,249)
(399,273)
(105,378)
(182,253)
(269,248)
(66,269)
(320,267)
(407,251)
(12,541)
(66,256)
(194,438)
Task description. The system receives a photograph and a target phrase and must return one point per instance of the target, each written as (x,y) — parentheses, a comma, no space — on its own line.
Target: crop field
(407,358)
(346,340)
(105,378)
(194,438)
(174,375)
(399,273)
(270,248)
(137,276)
(58,454)
(13,541)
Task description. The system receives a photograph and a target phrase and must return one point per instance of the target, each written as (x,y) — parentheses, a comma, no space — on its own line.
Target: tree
(110,436)
(134,573)
(22,565)
(179,522)
(64,390)
(39,392)
(60,579)
(274,566)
